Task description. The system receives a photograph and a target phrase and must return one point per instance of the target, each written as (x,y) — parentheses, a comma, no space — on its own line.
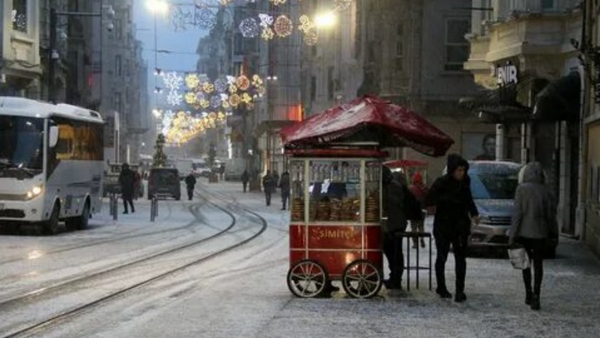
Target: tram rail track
(58,318)
(88,244)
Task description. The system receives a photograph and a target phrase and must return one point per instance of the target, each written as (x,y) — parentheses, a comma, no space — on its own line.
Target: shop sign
(507,74)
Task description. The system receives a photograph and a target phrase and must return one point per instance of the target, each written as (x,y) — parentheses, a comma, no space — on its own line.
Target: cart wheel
(361,279)
(307,279)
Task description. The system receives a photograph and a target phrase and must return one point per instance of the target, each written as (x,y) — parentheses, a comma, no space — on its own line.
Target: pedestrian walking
(419,191)
(190,183)
(127,183)
(393,205)
(221,171)
(284,185)
(268,184)
(275,180)
(451,200)
(137,183)
(245,179)
(533,225)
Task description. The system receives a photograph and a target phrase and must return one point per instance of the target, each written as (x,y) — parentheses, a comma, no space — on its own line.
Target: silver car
(493,185)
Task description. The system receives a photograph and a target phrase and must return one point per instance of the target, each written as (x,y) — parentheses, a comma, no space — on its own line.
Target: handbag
(519,258)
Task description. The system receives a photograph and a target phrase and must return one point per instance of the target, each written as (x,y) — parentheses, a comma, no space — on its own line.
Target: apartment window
(313,88)
(19,15)
(118,65)
(399,54)
(118,29)
(457,47)
(117,102)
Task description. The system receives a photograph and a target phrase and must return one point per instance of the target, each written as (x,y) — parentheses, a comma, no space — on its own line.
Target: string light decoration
(342,4)
(183,17)
(311,37)
(267,34)
(204,103)
(234,100)
(266,20)
(174,98)
(190,98)
(278,2)
(215,101)
(283,26)
(172,80)
(208,87)
(257,81)
(242,83)
(221,85)
(233,89)
(249,28)
(192,81)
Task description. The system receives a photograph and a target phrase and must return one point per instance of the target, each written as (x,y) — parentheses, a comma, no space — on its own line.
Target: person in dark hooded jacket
(452,202)
(533,224)
(127,182)
(393,205)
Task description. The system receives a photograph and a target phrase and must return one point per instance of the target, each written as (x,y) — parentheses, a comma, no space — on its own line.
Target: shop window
(547,4)
(457,47)
(19,15)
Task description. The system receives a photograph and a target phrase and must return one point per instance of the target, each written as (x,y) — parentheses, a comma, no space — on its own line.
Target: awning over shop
(498,105)
(560,100)
(368,120)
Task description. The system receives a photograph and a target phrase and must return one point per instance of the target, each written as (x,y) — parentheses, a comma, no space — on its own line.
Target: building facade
(525,53)
(20,61)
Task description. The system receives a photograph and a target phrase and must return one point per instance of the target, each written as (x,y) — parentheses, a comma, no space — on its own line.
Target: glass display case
(336,190)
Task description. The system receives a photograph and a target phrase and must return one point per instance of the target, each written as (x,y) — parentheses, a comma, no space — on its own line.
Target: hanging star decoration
(283,26)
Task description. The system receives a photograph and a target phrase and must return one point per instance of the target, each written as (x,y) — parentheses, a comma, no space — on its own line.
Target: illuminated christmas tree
(160,158)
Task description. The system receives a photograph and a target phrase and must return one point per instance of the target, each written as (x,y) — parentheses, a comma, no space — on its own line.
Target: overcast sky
(177,41)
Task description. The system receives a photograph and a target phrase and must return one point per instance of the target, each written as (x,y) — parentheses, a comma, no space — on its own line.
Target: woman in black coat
(452,202)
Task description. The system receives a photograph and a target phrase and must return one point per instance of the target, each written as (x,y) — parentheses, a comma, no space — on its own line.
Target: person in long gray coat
(533,225)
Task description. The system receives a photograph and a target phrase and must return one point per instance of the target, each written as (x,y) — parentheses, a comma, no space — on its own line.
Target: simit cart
(335,171)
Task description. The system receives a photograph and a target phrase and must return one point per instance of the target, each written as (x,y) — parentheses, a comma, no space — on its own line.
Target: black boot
(460,297)
(443,293)
(535,302)
(393,284)
(528,297)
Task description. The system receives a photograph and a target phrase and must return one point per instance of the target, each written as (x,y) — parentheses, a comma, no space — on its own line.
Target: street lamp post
(53,53)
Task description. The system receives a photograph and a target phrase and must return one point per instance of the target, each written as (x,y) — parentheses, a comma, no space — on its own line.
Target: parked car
(493,185)
(200,168)
(164,182)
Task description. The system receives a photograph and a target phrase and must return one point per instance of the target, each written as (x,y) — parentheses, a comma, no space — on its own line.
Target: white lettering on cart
(335,234)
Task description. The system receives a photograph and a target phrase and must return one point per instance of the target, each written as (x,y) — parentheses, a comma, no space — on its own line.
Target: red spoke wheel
(362,279)
(307,279)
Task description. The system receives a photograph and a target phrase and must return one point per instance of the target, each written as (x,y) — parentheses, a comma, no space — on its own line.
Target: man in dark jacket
(393,205)
(190,182)
(268,184)
(245,179)
(284,185)
(127,183)
(451,200)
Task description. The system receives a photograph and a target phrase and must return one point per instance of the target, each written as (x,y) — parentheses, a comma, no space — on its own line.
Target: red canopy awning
(368,119)
(404,164)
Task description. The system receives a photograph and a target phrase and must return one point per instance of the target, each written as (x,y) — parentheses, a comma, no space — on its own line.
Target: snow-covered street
(217,266)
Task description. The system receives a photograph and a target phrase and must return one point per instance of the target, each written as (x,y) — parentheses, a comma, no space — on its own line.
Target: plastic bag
(519,258)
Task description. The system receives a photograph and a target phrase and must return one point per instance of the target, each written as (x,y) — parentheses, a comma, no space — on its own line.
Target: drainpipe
(580,212)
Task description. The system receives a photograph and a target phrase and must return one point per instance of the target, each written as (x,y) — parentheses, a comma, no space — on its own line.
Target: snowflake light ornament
(283,26)
(230,79)
(174,98)
(233,88)
(249,28)
(172,80)
(234,100)
(246,98)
